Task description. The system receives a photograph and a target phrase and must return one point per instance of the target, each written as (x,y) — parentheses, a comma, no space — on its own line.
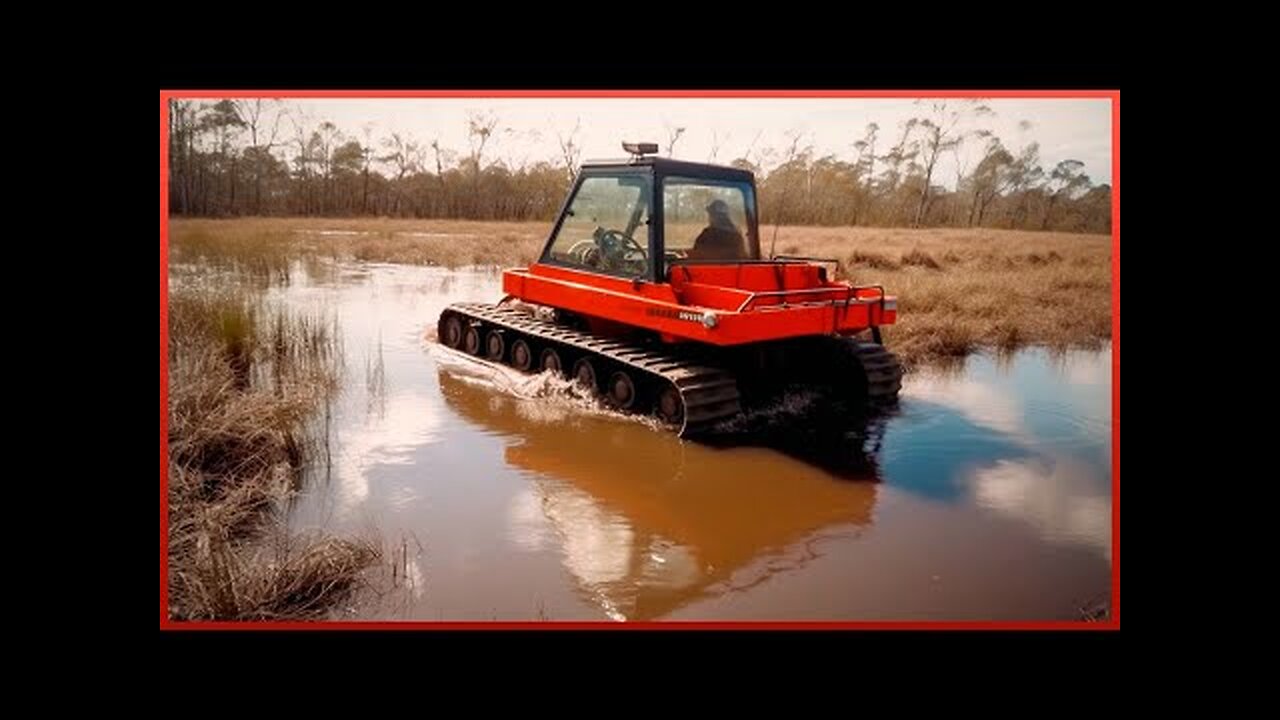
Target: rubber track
(710,394)
(882,370)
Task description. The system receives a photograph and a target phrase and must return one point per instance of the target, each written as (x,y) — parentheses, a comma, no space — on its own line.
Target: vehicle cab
(673,248)
(638,218)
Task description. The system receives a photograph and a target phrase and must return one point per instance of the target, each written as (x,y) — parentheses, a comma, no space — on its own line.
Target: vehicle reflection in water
(647,523)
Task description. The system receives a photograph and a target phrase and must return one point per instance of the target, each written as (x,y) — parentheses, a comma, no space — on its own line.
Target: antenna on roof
(639,150)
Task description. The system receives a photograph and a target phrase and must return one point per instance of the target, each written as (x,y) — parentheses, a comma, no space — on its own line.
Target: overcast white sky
(1078,129)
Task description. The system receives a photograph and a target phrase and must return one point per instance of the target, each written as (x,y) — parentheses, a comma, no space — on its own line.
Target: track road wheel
(521,356)
(671,406)
(551,361)
(495,346)
(451,333)
(471,340)
(622,391)
(584,373)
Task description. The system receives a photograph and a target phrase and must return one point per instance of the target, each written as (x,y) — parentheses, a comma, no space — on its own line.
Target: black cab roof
(668,166)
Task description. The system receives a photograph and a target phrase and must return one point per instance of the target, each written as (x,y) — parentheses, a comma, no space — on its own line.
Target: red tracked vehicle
(652,291)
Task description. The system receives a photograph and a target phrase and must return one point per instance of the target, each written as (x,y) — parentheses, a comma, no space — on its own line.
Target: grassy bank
(245,379)
(959,290)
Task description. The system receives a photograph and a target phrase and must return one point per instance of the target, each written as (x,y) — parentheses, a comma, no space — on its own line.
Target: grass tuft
(245,381)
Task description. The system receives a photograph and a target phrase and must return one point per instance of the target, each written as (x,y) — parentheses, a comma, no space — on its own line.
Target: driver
(720,240)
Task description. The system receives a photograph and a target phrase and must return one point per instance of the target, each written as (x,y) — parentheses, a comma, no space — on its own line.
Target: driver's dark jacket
(715,243)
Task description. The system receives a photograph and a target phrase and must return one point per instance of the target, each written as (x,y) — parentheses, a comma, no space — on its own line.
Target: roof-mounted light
(639,150)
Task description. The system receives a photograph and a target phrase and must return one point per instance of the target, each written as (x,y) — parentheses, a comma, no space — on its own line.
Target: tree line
(261,157)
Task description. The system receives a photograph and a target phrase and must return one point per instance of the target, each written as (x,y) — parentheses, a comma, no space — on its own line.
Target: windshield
(708,220)
(606,227)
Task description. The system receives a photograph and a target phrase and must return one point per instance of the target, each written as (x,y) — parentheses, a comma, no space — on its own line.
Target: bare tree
(746,154)
(962,167)
(1065,181)
(990,178)
(673,135)
(480,127)
(435,145)
(716,141)
(518,163)
(570,151)
(324,141)
(183,121)
(794,153)
(224,122)
(865,167)
(940,133)
(1025,175)
(900,154)
(366,154)
(252,112)
(443,156)
(300,120)
(404,156)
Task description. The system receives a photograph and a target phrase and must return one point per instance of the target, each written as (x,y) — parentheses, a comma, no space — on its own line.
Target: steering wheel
(620,250)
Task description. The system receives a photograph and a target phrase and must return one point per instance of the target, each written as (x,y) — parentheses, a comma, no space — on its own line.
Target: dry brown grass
(266,245)
(244,382)
(958,290)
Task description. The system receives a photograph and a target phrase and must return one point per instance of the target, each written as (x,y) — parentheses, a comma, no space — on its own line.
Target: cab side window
(706,220)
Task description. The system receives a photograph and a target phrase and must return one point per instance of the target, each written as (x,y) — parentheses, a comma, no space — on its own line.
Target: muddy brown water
(985,496)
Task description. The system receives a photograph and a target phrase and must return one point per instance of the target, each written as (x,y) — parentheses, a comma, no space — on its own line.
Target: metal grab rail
(856,288)
(672,261)
(849,293)
(805,259)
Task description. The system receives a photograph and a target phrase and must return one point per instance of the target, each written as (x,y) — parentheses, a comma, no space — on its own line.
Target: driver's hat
(718,207)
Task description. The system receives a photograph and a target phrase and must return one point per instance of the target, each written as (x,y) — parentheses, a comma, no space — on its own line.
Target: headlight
(709,319)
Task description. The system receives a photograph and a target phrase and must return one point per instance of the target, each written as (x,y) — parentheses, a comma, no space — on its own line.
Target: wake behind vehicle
(652,291)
